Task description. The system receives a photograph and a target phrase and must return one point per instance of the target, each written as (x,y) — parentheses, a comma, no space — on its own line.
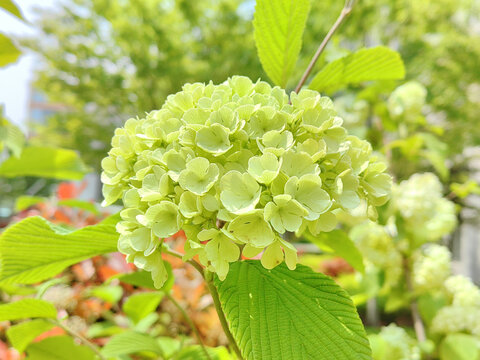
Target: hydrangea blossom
(235,166)
(407,100)
(431,267)
(378,248)
(399,344)
(463,312)
(427,215)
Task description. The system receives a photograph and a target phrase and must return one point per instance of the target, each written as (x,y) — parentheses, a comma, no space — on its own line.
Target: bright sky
(15,79)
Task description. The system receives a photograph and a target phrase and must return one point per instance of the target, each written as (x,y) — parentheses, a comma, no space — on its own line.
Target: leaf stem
(208,276)
(221,315)
(189,320)
(80,337)
(347,9)
(416,318)
(192,262)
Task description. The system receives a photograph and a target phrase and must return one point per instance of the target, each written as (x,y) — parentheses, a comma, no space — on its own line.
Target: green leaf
(459,347)
(25,201)
(143,279)
(80,204)
(139,305)
(8,51)
(22,334)
(138,278)
(9,5)
(108,293)
(27,308)
(11,136)
(103,329)
(195,352)
(338,242)
(284,314)
(131,342)
(59,348)
(34,249)
(45,162)
(377,63)
(278,34)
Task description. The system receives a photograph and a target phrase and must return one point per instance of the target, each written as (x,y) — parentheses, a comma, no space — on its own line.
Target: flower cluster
(235,166)
(463,312)
(431,267)
(399,344)
(379,249)
(406,101)
(427,215)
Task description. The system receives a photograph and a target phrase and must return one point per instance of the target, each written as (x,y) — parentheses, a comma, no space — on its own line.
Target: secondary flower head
(426,213)
(235,166)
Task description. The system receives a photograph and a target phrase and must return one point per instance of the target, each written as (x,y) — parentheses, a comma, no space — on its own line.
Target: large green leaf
(283,314)
(27,308)
(278,33)
(33,249)
(131,342)
(45,162)
(338,242)
(22,334)
(59,348)
(10,6)
(378,63)
(8,51)
(460,347)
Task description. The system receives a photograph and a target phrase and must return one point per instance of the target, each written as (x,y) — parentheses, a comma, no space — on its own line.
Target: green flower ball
(235,166)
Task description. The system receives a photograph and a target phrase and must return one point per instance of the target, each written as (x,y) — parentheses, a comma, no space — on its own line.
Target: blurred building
(39,110)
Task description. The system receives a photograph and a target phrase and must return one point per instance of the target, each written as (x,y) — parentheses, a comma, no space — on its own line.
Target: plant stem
(80,337)
(208,276)
(221,315)
(347,9)
(192,262)
(416,318)
(190,323)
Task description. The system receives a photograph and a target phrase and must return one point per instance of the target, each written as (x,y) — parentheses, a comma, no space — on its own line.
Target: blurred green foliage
(111,60)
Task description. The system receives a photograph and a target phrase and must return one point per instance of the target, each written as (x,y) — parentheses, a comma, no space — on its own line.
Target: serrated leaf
(8,51)
(338,242)
(459,347)
(34,249)
(290,314)
(377,63)
(27,308)
(22,334)
(10,6)
(278,34)
(51,163)
(59,348)
(131,342)
(139,305)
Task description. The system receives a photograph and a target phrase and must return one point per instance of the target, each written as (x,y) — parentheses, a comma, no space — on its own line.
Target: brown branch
(347,9)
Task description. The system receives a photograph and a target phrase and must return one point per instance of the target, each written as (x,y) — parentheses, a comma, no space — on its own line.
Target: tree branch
(347,9)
